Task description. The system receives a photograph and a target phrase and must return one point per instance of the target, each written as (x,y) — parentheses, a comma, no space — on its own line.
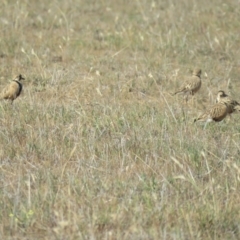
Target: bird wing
(10,91)
(218,112)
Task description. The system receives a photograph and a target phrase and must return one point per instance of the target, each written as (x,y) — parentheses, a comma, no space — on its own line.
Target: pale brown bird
(13,90)
(192,84)
(216,113)
(232,104)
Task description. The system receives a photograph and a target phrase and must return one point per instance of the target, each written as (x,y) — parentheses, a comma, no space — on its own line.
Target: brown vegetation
(96,147)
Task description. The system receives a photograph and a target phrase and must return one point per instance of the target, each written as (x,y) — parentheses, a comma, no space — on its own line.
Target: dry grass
(96,147)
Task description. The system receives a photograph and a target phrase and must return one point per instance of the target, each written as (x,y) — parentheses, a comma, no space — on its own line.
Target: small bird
(192,84)
(216,113)
(232,104)
(13,90)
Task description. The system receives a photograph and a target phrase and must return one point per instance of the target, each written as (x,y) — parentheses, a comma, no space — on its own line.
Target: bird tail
(195,120)
(237,108)
(178,91)
(201,118)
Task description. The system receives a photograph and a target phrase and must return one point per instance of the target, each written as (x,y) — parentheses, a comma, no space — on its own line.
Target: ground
(96,147)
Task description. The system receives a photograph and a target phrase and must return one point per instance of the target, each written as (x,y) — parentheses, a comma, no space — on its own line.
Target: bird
(232,104)
(192,84)
(13,90)
(216,113)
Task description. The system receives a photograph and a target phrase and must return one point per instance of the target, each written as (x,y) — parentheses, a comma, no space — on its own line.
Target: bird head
(197,72)
(221,93)
(19,77)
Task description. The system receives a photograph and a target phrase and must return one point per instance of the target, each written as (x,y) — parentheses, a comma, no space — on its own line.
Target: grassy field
(96,147)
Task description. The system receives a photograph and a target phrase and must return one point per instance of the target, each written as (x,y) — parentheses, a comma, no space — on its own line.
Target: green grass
(96,147)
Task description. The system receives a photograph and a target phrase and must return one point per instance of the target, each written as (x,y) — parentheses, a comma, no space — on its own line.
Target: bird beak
(21,77)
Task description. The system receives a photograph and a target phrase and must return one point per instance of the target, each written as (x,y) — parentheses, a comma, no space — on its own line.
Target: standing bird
(232,104)
(216,113)
(192,84)
(13,90)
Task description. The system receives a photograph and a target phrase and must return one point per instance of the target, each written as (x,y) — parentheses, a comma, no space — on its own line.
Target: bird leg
(208,121)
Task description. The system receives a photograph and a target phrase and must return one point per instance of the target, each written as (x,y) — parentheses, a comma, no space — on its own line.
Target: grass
(96,147)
